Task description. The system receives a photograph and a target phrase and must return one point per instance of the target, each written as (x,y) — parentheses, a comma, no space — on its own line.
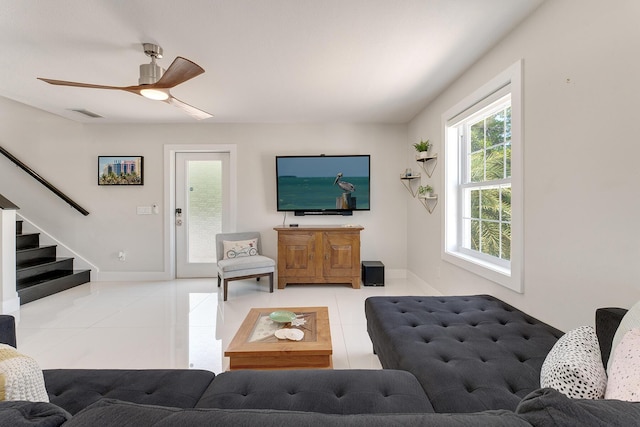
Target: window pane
(475,235)
(477,136)
(490,243)
(495,163)
(506,203)
(477,167)
(490,204)
(495,129)
(475,204)
(506,242)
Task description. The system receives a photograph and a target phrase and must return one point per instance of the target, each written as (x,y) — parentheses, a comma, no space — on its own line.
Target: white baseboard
(124,276)
(428,289)
(131,276)
(396,273)
(11,306)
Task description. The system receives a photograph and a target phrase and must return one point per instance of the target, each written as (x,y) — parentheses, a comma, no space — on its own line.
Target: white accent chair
(242,267)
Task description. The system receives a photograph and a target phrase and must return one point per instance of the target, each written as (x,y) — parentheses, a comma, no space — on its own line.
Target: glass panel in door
(202,201)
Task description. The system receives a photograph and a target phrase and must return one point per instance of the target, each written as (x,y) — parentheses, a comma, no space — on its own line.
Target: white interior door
(202,210)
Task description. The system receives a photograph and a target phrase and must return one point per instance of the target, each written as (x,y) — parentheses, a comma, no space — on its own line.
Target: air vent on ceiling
(87,113)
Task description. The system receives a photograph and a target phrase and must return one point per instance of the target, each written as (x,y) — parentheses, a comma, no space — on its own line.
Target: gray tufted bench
(470,353)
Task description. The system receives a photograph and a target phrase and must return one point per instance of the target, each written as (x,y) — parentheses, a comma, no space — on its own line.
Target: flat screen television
(323,185)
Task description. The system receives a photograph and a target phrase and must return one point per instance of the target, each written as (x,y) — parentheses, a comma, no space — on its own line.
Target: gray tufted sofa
(432,346)
(331,391)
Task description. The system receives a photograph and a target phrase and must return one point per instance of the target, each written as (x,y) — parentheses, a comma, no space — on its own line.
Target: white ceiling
(265,60)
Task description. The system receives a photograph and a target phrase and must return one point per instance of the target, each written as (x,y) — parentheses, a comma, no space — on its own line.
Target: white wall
(66,153)
(581,80)
(582,233)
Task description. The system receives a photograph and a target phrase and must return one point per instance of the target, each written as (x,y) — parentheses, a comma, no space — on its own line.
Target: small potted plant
(425,191)
(422,148)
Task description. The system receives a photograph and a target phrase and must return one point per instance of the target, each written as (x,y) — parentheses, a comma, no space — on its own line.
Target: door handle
(178,217)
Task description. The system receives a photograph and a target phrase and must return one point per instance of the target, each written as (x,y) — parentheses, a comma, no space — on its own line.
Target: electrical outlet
(122,256)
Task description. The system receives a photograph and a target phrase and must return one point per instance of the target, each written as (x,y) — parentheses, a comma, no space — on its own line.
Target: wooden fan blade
(180,70)
(189,109)
(76,84)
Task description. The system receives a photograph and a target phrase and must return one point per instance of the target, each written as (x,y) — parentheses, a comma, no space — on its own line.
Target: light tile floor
(183,323)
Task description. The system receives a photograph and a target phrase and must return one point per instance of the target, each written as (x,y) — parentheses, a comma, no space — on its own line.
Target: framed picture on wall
(120,170)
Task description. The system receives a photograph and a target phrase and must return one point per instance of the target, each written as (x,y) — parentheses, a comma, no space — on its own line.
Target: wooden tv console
(312,254)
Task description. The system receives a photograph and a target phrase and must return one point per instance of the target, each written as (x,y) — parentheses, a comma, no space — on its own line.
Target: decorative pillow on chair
(574,366)
(20,377)
(624,371)
(239,248)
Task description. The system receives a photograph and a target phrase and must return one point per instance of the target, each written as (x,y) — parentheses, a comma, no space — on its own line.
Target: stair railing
(6,203)
(44,182)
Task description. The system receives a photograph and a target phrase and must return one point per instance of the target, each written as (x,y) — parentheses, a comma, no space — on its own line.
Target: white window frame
(509,274)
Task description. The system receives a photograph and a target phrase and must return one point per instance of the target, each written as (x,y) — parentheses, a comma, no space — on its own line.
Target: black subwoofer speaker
(372,273)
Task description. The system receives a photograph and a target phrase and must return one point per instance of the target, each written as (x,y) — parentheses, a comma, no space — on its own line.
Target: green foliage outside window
(490,204)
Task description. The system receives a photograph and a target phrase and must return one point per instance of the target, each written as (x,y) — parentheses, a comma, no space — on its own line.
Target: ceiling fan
(154,82)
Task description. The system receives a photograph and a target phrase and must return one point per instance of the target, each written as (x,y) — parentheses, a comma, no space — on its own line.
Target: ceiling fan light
(155,94)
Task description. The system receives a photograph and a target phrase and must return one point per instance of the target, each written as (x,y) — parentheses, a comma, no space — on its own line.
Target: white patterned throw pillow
(631,320)
(574,365)
(240,248)
(624,371)
(20,377)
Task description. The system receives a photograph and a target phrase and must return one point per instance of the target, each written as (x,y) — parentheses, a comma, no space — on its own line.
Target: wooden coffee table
(256,347)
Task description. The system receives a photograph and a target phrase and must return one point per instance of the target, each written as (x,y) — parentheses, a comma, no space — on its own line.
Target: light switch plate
(144,210)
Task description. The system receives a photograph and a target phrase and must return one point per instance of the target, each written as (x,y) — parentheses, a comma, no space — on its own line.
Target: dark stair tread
(27,240)
(39,253)
(29,247)
(51,275)
(33,248)
(51,285)
(27,234)
(38,263)
(25,274)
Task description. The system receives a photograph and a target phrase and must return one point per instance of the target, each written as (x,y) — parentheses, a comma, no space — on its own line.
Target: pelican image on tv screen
(323,184)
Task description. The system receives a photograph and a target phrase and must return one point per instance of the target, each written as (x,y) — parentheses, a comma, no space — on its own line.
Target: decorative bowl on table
(282,316)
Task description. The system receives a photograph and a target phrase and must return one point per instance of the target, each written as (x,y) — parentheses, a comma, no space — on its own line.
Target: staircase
(39,273)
